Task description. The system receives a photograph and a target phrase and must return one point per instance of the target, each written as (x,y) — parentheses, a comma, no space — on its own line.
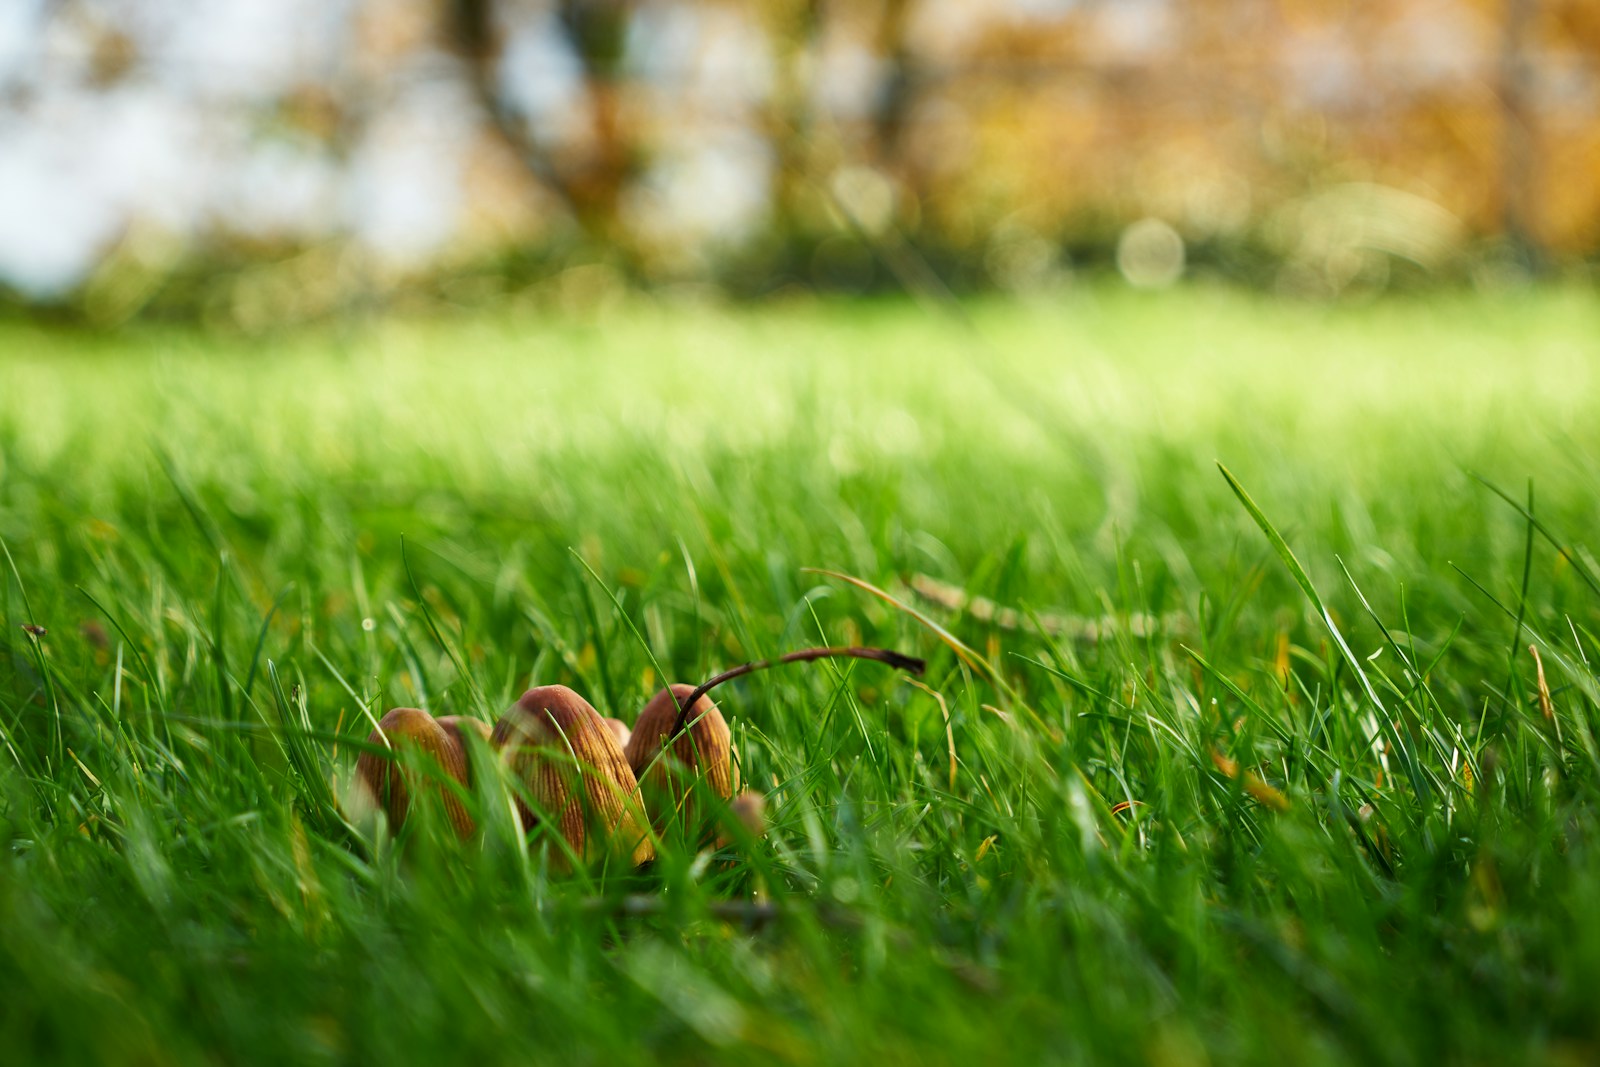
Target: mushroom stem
(882,655)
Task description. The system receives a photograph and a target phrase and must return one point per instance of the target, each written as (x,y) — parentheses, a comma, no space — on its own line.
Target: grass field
(1191,818)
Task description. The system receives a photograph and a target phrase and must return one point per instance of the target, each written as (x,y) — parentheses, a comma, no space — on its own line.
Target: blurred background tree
(261,161)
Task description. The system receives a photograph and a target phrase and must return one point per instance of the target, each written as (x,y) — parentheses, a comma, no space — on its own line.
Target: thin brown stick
(883,655)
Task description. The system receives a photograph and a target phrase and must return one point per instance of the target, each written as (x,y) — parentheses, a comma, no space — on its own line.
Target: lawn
(1176,791)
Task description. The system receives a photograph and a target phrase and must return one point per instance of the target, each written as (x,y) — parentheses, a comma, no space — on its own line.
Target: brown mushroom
(704,749)
(391,787)
(568,760)
(701,744)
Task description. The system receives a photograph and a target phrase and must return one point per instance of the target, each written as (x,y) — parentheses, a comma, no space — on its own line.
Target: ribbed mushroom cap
(569,761)
(391,786)
(705,749)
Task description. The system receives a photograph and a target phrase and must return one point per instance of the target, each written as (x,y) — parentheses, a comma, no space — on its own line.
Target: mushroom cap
(569,761)
(749,810)
(391,786)
(704,750)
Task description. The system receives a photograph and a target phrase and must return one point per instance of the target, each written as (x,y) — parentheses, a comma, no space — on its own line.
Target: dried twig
(1055,624)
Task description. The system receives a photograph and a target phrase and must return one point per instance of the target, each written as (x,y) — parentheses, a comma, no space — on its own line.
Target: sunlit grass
(1215,835)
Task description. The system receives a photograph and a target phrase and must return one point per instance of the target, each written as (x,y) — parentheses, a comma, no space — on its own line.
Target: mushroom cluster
(606,789)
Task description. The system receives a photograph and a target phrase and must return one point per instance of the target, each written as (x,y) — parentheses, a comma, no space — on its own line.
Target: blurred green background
(261,161)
